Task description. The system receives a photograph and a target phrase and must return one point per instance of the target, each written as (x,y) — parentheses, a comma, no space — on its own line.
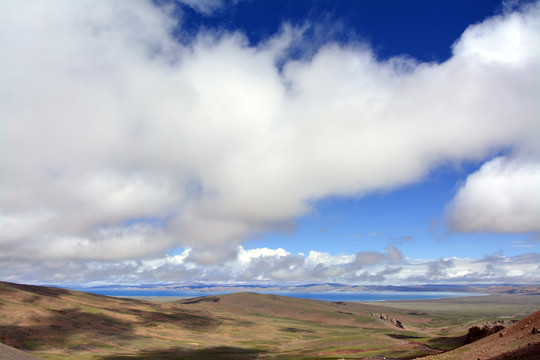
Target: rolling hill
(55,323)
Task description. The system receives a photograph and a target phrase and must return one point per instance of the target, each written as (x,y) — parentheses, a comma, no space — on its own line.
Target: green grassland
(61,324)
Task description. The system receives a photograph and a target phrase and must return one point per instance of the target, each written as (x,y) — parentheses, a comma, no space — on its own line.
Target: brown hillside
(519,341)
(10,353)
(332,313)
(57,323)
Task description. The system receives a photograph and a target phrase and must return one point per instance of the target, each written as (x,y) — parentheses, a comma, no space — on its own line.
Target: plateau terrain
(54,323)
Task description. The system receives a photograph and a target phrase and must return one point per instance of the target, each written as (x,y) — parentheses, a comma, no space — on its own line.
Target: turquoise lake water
(327,296)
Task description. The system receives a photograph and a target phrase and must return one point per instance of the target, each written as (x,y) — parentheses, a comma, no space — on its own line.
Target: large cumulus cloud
(120,141)
(503,196)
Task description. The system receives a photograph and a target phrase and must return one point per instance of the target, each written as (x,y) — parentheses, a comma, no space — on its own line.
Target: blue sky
(270,141)
(422,29)
(411,217)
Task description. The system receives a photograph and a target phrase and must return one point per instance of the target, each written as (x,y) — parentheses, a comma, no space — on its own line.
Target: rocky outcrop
(476,333)
(504,323)
(390,320)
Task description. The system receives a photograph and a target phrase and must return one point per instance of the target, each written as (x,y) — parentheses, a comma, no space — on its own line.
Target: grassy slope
(57,324)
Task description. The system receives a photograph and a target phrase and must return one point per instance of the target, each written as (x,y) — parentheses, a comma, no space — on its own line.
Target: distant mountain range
(530,289)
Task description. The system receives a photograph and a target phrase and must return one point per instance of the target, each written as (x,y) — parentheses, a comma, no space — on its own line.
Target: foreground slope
(62,324)
(10,353)
(518,341)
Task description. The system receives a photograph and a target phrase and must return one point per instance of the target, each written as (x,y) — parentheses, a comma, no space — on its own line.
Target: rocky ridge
(390,320)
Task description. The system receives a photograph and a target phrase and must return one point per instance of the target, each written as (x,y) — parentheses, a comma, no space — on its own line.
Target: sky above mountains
(369,142)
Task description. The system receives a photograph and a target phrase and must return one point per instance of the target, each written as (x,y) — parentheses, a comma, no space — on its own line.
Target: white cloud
(368,258)
(281,265)
(133,143)
(391,254)
(503,196)
(324,258)
(499,40)
(180,258)
(278,266)
(204,6)
(17,226)
(440,268)
(246,256)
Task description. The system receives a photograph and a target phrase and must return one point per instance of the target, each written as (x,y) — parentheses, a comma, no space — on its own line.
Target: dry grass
(58,324)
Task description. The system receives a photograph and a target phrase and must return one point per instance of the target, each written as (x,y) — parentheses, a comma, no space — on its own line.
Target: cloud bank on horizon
(121,141)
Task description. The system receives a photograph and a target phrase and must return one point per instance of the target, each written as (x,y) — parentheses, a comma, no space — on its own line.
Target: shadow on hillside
(528,353)
(190,320)
(7,288)
(446,342)
(220,352)
(296,330)
(58,329)
(199,300)
(402,337)
(75,329)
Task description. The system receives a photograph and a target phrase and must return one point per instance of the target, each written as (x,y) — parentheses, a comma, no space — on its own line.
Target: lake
(326,296)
